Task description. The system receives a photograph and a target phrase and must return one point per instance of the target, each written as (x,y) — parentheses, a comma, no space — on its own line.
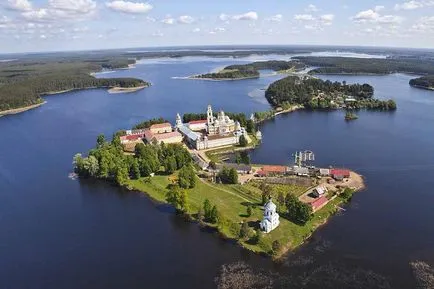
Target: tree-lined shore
(23,83)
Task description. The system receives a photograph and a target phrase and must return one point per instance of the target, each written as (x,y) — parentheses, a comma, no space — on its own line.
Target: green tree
(170,165)
(244,231)
(92,166)
(250,126)
(214,215)
(297,210)
(177,198)
(281,199)
(243,141)
(266,192)
(135,170)
(100,141)
(207,210)
(233,176)
(249,211)
(121,175)
(187,177)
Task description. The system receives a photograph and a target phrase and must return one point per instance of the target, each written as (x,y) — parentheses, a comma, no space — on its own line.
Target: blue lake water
(63,233)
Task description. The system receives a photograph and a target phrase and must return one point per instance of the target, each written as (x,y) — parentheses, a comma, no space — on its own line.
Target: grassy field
(232,201)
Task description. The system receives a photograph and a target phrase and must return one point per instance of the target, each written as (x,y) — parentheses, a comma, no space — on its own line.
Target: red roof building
(274,169)
(340,172)
(319,203)
(131,137)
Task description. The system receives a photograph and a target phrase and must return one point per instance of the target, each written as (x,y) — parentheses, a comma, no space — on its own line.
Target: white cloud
(275,18)
(372,16)
(42,36)
(19,5)
(327,19)
(311,8)
(224,17)
(252,16)
(246,16)
(414,4)
(129,7)
(196,30)
(60,10)
(423,25)
(168,20)
(185,19)
(367,15)
(304,17)
(220,29)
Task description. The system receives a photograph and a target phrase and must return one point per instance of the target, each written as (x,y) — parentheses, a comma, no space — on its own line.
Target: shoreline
(117,89)
(324,214)
(423,87)
(110,90)
(21,109)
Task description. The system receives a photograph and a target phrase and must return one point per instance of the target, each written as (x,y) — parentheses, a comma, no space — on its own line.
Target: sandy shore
(21,109)
(125,89)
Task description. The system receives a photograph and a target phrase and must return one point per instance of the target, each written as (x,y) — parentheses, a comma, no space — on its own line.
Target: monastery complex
(212,132)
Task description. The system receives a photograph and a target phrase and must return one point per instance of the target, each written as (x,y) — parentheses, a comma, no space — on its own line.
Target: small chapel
(270,220)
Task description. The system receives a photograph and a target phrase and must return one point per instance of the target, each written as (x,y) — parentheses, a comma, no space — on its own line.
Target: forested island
(251,70)
(22,83)
(348,65)
(315,93)
(425,82)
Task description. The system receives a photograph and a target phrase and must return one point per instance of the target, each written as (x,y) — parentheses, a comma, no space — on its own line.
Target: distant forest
(426,82)
(276,65)
(343,65)
(23,82)
(319,94)
(250,70)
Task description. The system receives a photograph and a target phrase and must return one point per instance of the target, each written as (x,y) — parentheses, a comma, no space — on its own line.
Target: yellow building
(161,128)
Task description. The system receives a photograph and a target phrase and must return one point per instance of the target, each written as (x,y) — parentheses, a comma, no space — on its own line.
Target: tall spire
(210,117)
(178,120)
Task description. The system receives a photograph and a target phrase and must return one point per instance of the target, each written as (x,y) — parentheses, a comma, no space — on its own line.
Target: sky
(59,25)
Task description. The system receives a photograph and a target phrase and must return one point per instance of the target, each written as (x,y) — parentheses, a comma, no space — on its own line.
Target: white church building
(271,217)
(211,132)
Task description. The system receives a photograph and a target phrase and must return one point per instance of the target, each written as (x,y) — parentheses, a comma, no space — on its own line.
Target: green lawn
(231,201)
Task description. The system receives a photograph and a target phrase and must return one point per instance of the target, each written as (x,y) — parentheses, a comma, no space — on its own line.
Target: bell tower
(178,121)
(210,117)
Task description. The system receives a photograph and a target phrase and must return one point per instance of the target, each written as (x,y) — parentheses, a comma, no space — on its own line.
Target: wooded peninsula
(22,83)
(425,82)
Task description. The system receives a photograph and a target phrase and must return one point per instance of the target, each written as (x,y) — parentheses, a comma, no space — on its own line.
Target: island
(424,82)
(23,83)
(350,116)
(269,209)
(251,70)
(313,93)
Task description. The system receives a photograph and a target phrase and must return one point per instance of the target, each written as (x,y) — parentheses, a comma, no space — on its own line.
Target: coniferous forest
(22,83)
